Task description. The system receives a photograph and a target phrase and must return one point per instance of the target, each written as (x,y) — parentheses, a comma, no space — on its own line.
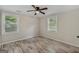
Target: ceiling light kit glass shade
(37,12)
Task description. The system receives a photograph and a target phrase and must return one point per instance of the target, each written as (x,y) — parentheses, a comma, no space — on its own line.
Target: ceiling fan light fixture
(37,12)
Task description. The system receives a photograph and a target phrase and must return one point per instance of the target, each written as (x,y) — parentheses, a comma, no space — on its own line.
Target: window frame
(3,23)
(48,27)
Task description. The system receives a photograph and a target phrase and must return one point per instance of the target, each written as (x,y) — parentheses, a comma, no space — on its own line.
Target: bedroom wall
(28,28)
(68,27)
(0,29)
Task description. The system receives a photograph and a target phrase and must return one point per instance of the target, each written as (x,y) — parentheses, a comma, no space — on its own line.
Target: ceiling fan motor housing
(37,8)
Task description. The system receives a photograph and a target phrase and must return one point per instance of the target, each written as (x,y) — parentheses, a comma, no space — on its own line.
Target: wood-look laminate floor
(38,45)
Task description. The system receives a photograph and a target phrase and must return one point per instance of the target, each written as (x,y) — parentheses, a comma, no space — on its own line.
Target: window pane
(10,23)
(52,24)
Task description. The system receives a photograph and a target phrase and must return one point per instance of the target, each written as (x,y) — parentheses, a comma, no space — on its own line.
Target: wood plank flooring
(38,45)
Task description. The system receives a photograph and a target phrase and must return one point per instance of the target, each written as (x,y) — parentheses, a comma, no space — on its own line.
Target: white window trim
(3,23)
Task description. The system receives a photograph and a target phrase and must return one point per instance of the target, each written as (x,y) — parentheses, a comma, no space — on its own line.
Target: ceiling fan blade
(41,12)
(33,6)
(44,9)
(30,10)
(35,13)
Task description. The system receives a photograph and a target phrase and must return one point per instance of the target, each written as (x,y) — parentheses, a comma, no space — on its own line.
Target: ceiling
(52,9)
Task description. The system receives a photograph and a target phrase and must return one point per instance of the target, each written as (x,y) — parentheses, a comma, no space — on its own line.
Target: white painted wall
(0,29)
(68,27)
(28,28)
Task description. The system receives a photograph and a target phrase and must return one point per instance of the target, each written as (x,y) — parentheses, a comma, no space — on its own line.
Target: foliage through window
(10,23)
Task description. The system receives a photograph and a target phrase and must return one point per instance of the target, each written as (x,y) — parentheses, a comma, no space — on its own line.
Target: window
(10,23)
(52,24)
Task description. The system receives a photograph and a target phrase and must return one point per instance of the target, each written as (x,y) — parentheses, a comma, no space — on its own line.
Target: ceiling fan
(37,10)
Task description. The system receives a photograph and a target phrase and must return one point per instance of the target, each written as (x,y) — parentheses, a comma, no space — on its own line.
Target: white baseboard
(6,42)
(61,41)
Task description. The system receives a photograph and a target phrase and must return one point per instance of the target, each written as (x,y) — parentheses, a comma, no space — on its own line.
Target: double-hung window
(52,23)
(10,23)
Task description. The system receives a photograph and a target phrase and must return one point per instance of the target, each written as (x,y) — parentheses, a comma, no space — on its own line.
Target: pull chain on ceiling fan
(37,10)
